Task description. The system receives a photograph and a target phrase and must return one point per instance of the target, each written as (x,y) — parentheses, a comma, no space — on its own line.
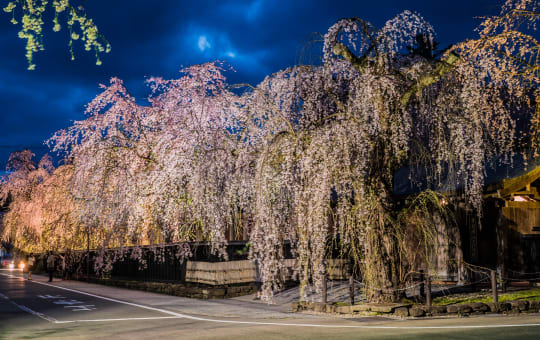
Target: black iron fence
(163,263)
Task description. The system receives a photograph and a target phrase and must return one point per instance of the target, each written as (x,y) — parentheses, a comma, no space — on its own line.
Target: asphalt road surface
(74,310)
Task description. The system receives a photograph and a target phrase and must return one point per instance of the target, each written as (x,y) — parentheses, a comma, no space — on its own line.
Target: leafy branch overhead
(30,15)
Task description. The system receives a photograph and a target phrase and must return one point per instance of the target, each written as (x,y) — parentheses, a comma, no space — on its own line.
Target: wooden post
(473,278)
(324,290)
(428,290)
(503,281)
(422,285)
(351,289)
(494,286)
(87,254)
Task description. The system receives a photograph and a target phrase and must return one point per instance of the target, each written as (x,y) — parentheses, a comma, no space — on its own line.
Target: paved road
(76,310)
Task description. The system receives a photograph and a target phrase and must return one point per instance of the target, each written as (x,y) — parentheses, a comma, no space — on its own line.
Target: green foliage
(30,14)
(530,294)
(244,250)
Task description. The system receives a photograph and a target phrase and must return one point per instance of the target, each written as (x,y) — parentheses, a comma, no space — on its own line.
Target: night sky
(157,38)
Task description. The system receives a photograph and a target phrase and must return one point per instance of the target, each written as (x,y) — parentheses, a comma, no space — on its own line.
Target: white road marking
(122,319)
(306,324)
(104,298)
(80,308)
(185,316)
(67,302)
(33,312)
(51,297)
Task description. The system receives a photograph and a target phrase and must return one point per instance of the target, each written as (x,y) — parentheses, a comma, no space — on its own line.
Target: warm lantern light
(523,199)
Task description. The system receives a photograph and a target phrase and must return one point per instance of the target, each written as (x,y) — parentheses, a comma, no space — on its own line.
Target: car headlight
(11,266)
(21,265)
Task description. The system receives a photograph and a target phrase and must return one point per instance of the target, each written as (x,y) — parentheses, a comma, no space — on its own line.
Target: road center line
(185,316)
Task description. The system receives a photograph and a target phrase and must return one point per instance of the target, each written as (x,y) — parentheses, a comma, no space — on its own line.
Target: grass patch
(529,294)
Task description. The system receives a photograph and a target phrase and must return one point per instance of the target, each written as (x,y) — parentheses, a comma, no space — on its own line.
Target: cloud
(206,41)
(203,43)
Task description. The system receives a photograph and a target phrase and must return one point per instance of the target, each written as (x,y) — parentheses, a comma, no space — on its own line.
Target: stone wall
(197,291)
(408,310)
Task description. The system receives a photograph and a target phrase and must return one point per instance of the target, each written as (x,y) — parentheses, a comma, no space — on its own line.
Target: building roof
(502,178)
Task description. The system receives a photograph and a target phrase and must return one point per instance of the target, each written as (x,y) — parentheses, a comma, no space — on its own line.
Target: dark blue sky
(157,38)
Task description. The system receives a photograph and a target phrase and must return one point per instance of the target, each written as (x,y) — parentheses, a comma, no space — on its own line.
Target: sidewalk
(242,307)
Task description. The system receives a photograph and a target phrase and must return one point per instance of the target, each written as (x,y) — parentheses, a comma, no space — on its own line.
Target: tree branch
(358,63)
(443,68)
